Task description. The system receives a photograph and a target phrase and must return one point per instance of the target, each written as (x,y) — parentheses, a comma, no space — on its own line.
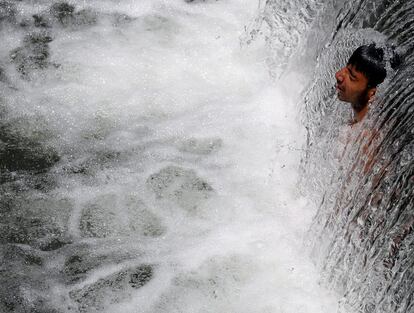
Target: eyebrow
(351,72)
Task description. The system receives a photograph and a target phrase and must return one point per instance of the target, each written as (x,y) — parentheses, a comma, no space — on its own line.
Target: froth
(178,160)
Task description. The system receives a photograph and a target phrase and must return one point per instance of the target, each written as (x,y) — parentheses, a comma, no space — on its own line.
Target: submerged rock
(24,287)
(110,216)
(119,19)
(22,294)
(6,200)
(23,154)
(140,276)
(180,185)
(27,230)
(76,267)
(85,17)
(16,255)
(158,23)
(66,15)
(201,146)
(40,223)
(62,11)
(111,289)
(18,182)
(33,54)
(20,151)
(8,12)
(53,243)
(216,280)
(3,77)
(39,21)
(81,261)
(95,162)
(62,14)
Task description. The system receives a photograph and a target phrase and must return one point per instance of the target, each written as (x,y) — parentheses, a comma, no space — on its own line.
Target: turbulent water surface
(169,156)
(149,162)
(362,177)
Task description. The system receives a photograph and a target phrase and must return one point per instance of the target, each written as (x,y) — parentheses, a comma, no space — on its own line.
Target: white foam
(174,73)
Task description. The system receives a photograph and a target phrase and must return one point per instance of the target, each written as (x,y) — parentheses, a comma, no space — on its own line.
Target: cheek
(358,93)
(361,87)
(354,88)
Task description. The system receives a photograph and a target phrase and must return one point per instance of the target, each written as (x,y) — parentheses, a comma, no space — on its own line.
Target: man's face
(351,85)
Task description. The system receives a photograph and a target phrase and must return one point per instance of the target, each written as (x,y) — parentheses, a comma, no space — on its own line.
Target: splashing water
(148,164)
(362,177)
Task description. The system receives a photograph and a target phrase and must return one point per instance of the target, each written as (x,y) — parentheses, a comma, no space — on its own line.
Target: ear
(371,93)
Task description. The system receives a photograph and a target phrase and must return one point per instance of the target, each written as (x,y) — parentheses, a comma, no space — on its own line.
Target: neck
(360,112)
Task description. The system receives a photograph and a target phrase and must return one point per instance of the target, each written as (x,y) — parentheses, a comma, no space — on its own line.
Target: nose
(339,76)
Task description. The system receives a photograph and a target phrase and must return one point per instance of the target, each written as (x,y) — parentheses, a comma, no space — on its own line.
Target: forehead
(356,74)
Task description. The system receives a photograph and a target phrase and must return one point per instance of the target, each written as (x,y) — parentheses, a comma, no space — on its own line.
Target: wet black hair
(370,61)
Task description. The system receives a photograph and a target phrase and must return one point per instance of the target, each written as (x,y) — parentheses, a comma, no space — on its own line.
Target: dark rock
(27,230)
(40,21)
(26,22)
(82,261)
(42,181)
(76,267)
(32,156)
(156,23)
(6,201)
(15,255)
(18,182)
(140,276)
(7,12)
(95,162)
(38,222)
(119,19)
(33,260)
(63,11)
(33,220)
(20,152)
(176,178)
(33,55)
(109,216)
(37,38)
(66,15)
(201,146)
(180,185)
(13,300)
(111,289)
(53,243)
(63,14)
(3,77)
(85,17)
(24,287)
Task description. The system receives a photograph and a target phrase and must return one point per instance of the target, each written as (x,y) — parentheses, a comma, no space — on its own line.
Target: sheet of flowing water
(362,235)
(175,190)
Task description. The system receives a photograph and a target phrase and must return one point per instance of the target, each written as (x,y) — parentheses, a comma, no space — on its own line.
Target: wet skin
(352,86)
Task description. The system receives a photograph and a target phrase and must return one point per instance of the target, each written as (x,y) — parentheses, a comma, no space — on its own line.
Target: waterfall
(149,161)
(150,154)
(363,233)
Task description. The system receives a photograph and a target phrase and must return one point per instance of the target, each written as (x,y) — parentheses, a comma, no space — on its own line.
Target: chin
(340,97)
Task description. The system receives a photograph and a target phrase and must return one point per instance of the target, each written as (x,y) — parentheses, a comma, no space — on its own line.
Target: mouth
(339,89)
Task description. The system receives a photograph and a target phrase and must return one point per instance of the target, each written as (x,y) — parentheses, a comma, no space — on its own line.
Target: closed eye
(351,75)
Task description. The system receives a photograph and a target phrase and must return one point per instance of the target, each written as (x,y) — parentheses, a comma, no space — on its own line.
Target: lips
(339,89)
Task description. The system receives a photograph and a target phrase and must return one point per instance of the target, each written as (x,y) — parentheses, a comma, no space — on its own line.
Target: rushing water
(362,178)
(149,162)
(150,152)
